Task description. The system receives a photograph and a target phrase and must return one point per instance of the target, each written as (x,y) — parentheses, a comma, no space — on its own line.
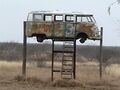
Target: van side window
(30,17)
(37,17)
(69,18)
(84,19)
(92,19)
(58,18)
(89,20)
(79,19)
(48,17)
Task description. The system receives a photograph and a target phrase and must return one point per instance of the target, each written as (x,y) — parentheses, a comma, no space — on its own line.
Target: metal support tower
(69,53)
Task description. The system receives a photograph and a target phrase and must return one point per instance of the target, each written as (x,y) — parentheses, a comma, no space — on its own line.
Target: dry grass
(67,83)
(6,64)
(39,78)
(113,70)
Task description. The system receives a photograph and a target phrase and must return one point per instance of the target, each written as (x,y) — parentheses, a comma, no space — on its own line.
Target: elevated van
(58,25)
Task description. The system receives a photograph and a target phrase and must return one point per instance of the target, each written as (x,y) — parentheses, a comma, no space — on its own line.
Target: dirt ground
(39,78)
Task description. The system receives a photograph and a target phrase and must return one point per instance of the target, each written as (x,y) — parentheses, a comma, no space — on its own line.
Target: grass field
(38,78)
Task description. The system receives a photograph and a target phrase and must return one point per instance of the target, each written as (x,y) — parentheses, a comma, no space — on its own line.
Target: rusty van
(57,25)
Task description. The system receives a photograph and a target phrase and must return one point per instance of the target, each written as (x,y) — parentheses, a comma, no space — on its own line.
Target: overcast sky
(14,12)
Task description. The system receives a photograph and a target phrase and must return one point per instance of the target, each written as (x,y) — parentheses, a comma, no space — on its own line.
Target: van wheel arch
(82,36)
(40,37)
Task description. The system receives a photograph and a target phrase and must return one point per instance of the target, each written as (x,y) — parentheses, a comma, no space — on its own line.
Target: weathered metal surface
(86,28)
(63,29)
(42,28)
(39,28)
(69,30)
(59,29)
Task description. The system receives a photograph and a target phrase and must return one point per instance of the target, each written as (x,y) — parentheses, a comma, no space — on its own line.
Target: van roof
(58,12)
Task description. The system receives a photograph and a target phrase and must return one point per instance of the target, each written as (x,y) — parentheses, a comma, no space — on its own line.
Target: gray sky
(14,12)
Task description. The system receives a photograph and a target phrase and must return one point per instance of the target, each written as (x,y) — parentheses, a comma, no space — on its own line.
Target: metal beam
(74,61)
(74,68)
(52,59)
(100,56)
(24,51)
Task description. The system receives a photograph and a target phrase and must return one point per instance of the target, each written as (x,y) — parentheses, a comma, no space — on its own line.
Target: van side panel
(36,28)
(58,29)
(85,28)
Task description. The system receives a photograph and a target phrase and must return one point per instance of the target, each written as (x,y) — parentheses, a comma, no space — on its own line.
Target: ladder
(68,60)
(68,68)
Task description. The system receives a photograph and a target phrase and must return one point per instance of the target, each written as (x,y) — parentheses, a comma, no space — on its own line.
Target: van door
(69,26)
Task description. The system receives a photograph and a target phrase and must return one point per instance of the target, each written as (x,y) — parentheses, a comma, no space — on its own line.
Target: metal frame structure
(74,71)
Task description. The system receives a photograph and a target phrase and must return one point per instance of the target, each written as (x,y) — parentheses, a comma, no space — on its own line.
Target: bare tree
(109,8)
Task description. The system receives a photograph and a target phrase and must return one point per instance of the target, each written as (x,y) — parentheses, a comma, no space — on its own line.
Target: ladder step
(65,64)
(68,49)
(67,59)
(66,54)
(67,78)
(67,70)
(56,70)
(66,73)
(60,51)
